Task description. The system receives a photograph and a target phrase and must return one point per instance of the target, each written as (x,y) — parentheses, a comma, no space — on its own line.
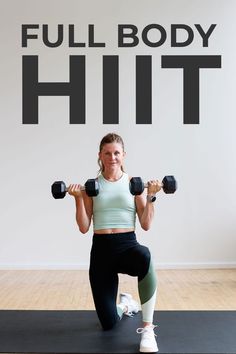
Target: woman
(115,248)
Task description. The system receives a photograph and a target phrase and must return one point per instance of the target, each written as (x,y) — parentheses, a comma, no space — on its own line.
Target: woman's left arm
(145,209)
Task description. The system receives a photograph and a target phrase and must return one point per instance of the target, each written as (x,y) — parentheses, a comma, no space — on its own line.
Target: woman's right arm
(84,207)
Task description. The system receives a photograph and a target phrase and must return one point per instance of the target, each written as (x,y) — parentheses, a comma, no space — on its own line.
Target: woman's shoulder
(126,176)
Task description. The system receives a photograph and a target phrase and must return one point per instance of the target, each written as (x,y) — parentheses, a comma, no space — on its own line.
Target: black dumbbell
(59,188)
(169,185)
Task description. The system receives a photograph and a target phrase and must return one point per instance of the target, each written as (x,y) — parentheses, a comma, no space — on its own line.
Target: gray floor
(79,332)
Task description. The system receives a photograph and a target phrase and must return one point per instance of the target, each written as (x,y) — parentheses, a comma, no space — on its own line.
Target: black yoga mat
(26,331)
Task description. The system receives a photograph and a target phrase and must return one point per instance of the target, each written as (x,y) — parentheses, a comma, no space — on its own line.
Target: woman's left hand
(153,187)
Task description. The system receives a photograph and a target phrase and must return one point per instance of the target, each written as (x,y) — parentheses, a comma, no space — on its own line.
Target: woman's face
(112,156)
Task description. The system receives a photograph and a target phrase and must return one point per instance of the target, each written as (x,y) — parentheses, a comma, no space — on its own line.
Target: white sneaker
(132,305)
(148,342)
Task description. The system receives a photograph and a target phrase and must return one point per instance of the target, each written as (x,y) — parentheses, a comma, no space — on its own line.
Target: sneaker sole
(147,350)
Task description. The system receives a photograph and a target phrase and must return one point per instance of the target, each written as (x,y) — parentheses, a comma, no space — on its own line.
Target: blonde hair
(108,139)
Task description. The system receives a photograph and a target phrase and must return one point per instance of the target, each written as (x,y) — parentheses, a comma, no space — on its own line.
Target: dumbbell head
(92,187)
(169,184)
(58,189)
(136,186)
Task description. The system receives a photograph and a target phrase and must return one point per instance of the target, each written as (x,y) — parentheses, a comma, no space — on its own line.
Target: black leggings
(112,254)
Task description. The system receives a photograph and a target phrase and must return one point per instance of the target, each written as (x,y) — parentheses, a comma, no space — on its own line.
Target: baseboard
(189,265)
(85,266)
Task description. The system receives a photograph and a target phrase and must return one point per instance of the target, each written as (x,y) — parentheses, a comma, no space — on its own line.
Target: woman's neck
(112,175)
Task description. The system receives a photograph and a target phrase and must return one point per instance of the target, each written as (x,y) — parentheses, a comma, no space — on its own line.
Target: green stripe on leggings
(147,285)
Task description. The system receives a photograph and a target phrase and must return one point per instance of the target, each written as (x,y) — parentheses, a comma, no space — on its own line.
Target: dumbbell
(59,188)
(169,185)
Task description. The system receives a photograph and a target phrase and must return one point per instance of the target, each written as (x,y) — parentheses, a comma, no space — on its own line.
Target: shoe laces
(148,330)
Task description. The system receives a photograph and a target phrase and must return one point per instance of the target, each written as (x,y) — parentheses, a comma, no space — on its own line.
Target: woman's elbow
(83,228)
(82,231)
(145,226)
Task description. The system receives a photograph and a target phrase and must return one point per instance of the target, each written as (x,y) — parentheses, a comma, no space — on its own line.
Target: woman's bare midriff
(113,231)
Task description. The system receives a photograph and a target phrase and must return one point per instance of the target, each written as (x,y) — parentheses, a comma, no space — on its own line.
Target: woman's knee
(144,261)
(109,323)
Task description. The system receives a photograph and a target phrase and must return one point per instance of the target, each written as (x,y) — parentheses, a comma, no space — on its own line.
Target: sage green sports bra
(114,207)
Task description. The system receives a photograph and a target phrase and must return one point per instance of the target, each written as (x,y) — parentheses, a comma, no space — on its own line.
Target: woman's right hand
(75,190)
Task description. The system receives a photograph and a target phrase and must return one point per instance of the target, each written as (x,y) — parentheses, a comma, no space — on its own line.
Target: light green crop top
(114,207)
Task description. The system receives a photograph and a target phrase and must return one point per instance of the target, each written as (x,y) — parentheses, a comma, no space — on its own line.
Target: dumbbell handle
(146,185)
(91,193)
(82,188)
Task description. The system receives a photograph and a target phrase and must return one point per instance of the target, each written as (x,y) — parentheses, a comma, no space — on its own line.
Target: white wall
(195,227)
